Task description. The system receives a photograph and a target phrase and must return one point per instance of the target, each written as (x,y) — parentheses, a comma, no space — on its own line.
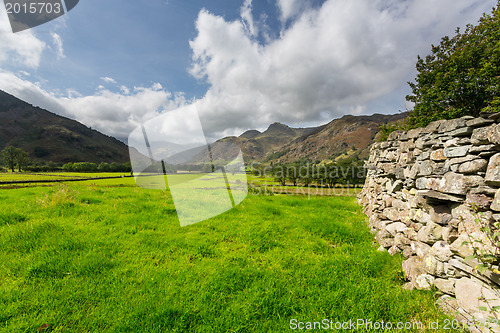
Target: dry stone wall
(428,191)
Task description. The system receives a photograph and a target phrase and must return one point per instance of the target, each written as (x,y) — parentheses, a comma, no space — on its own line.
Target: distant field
(268,182)
(105,255)
(28,176)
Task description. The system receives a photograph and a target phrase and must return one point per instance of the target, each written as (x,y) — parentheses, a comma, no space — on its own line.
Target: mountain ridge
(47,136)
(279,143)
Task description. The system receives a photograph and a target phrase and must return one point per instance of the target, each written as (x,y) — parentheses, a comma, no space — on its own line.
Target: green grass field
(105,255)
(28,176)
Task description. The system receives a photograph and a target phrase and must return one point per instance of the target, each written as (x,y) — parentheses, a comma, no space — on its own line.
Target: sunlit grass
(30,176)
(105,255)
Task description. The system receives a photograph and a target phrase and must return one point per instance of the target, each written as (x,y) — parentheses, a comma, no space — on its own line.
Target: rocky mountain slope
(256,145)
(280,143)
(338,139)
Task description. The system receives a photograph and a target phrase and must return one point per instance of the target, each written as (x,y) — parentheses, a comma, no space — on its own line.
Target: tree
(22,159)
(68,166)
(279,174)
(114,167)
(13,156)
(9,156)
(84,167)
(127,167)
(103,167)
(207,168)
(461,76)
(292,173)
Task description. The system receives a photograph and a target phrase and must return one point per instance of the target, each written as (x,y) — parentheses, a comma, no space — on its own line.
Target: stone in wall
(460,151)
(456,183)
(494,134)
(450,234)
(495,205)
(479,122)
(473,166)
(480,201)
(413,268)
(430,233)
(493,171)
(473,295)
(446,286)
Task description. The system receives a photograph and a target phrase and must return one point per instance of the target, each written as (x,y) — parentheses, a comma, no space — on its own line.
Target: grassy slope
(107,256)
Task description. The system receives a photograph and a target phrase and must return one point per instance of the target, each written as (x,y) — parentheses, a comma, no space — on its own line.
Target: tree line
(15,158)
(347,171)
(93,167)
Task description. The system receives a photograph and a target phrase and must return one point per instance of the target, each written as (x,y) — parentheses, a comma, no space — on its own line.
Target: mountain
(256,145)
(250,134)
(340,138)
(50,137)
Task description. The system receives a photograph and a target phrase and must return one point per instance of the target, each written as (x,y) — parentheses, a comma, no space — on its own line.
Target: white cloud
(247,17)
(21,48)
(125,90)
(156,86)
(29,92)
(108,79)
(338,57)
(289,8)
(56,39)
(117,114)
(113,113)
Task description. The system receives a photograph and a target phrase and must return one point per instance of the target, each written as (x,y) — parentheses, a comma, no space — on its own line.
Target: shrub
(461,76)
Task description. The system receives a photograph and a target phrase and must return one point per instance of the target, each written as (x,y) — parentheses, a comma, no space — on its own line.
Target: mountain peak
(250,134)
(277,124)
(279,128)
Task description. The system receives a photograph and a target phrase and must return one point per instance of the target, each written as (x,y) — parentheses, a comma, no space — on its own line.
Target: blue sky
(114,64)
(133,42)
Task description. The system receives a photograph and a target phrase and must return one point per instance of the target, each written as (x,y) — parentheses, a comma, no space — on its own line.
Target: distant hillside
(49,137)
(256,145)
(340,138)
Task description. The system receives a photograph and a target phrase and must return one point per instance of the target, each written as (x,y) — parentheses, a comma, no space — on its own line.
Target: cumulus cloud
(113,113)
(328,61)
(125,90)
(157,86)
(108,79)
(22,48)
(117,114)
(29,92)
(289,8)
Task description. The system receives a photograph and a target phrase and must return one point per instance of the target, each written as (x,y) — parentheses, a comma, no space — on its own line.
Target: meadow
(108,256)
(17,179)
